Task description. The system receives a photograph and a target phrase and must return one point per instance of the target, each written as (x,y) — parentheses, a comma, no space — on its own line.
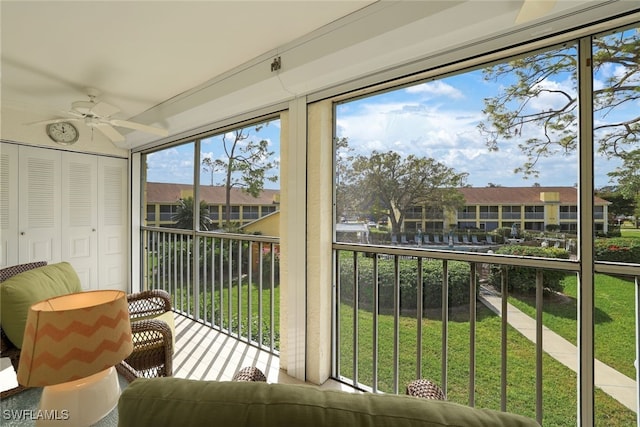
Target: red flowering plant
(618,249)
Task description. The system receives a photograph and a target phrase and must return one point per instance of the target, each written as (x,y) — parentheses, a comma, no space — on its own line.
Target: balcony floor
(202,353)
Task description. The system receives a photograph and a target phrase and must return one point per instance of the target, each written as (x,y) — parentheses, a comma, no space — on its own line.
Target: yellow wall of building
(266,226)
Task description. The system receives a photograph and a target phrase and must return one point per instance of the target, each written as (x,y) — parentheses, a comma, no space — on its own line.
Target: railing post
(539,343)
(445,325)
(504,284)
(376,289)
(356,297)
(420,303)
(396,321)
(472,333)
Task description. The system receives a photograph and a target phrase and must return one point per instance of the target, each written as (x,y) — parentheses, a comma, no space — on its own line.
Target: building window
(235,213)
(598,212)
(468,212)
(151,213)
(433,212)
(511,212)
(266,210)
(534,212)
(414,212)
(568,212)
(250,212)
(489,212)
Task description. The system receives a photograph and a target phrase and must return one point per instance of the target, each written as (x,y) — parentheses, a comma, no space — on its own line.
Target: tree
(346,201)
(628,178)
(620,205)
(552,129)
(395,184)
(246,165)
(184,215)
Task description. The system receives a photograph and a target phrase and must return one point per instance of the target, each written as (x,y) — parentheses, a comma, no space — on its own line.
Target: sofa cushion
(177,401)
(21,291)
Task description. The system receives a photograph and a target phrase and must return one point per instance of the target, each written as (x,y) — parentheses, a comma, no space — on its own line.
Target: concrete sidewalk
(612,382)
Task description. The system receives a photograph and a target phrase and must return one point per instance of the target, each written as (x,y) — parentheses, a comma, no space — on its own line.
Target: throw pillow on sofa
(21,291)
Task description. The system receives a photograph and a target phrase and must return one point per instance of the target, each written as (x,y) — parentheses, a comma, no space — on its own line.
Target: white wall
(14,126)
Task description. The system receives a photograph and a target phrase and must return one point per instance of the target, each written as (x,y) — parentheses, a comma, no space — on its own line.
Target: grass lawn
(614,317)
(630,232)
(227,318)
(559,383)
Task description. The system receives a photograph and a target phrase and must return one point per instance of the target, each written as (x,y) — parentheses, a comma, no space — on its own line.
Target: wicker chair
(425,389)
(7,348)
(152,354)
(250,374)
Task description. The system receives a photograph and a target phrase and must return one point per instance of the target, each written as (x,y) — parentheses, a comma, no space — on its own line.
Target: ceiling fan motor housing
(83,107)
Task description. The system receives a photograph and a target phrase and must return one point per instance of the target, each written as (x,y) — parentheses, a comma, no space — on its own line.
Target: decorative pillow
(21,291)
(166,317)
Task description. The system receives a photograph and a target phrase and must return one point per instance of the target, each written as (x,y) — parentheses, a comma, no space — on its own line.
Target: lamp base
(81,402)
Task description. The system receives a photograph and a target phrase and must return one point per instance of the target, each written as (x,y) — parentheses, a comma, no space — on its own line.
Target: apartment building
(162,201)
(530,208)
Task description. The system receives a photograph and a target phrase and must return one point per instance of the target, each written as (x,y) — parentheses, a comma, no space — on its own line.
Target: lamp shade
(73,336)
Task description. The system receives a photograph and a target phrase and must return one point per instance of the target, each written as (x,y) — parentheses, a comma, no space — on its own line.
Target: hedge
(618,249)
(459,273)
(523,279)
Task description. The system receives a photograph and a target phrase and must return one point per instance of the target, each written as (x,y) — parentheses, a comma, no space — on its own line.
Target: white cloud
(448,133)
(436,88)
(553,96)
(170,165)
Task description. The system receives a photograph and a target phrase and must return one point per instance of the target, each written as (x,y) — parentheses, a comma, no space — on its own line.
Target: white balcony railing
(233,286)
(400,313)
(404,313)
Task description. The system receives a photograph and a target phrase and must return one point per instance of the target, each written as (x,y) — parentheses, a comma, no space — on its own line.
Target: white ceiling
(140,53)
(183,64)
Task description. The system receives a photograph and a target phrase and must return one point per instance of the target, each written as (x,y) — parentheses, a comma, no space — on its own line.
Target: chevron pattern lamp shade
(74,336)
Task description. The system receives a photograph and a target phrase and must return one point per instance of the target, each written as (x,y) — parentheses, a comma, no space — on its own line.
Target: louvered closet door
(8,205)
(112,219)
(80,216)
(39,205)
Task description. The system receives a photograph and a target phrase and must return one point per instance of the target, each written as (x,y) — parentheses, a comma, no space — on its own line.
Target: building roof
(521,195)
(159,192)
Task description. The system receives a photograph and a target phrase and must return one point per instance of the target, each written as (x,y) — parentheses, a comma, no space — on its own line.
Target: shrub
(431,280)
(619,249)
(613,230)
(523,279)
(504,232)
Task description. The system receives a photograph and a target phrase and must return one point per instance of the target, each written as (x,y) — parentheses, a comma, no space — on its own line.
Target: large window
(481,144)
(500,139)
(238,171)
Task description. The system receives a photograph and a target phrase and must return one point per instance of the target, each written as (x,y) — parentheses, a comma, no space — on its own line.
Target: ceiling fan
(97,115)
(534,9)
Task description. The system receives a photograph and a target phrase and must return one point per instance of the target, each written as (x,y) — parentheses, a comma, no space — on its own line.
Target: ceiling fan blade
(76,114)
(46,122)
(139,126)
(102,109)
(109,132)
(534,9)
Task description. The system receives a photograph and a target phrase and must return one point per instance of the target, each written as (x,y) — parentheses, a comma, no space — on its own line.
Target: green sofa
(181,402)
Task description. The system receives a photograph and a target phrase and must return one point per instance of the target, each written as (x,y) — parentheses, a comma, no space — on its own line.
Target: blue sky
(175,164)
(437,119)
